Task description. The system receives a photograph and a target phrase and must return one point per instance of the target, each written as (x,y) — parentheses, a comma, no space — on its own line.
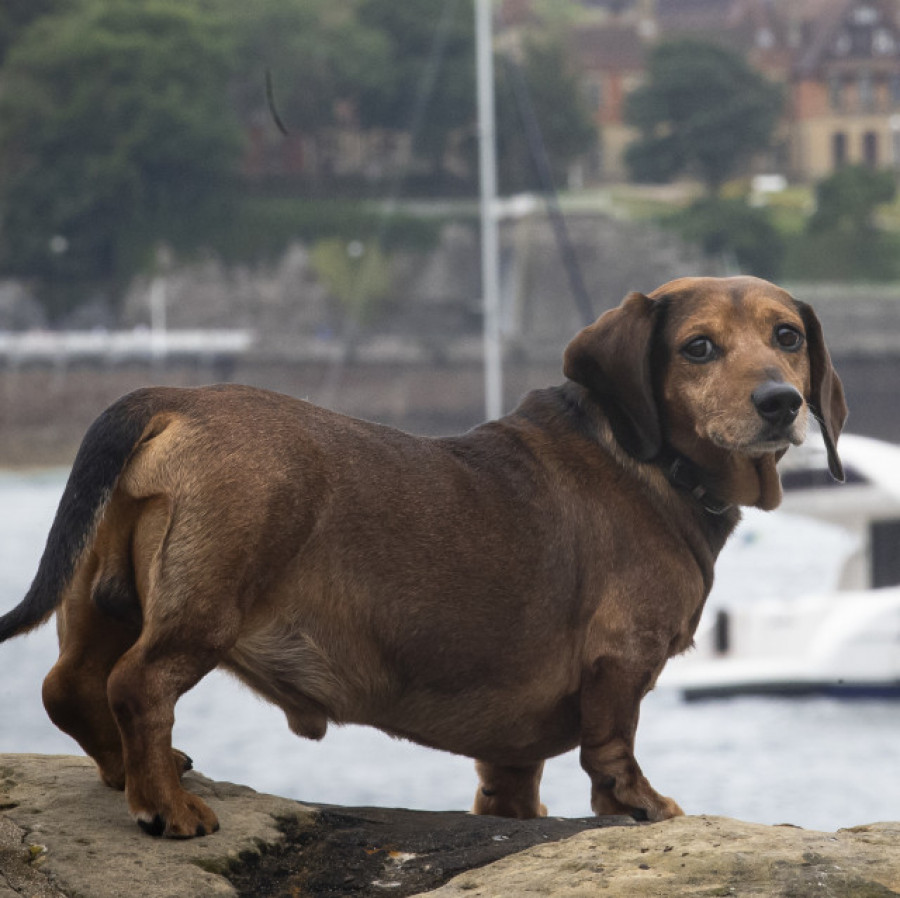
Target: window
(883,42)
(765,40)
(838,149)
(870,148)
(864,15)
(885,542)
(793,479)
(866,88)
(594,94)
(836,93)
(861,41)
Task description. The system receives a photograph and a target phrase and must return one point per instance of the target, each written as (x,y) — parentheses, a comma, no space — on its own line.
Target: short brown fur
(508,594)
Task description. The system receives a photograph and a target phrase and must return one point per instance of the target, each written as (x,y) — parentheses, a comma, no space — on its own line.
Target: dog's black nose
(777,403)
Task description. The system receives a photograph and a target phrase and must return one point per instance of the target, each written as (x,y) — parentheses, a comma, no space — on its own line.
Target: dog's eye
(788,337)
(700,349)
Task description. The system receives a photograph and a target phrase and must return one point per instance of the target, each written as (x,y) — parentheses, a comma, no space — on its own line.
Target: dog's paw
(187,818)
(640,801)
(605,804)
(488,802)
(668,809)
(661,808)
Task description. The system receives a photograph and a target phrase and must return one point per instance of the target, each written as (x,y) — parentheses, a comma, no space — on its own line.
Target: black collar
(685,475)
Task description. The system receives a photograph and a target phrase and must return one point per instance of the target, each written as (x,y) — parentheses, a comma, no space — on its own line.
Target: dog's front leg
(509,791)
(611,693)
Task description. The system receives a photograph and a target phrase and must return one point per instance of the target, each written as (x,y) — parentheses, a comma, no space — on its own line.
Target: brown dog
(507,594)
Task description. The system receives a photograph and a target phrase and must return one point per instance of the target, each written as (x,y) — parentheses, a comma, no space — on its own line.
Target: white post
(490,256)
(158,342)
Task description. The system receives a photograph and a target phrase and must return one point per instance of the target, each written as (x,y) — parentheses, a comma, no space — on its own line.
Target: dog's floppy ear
(612,358)
(826,399)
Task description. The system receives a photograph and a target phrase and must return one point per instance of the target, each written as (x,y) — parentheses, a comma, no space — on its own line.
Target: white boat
(840,640)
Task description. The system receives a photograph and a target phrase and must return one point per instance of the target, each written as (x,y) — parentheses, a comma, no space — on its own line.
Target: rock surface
(64,835)
(76,833)
(698,856)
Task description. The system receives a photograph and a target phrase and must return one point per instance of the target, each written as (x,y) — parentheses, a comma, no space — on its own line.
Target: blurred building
(845,89)
(839,61)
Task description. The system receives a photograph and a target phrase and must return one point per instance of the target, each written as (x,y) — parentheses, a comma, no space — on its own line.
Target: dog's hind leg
(74,691)
(143,689)
(191,618)
(98,620)
(509,791)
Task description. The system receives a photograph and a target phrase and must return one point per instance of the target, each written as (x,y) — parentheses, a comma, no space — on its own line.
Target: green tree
(730,228)
(317,52)
(116,132)
(559,111)
(16,15)
(430,80)
(703,111)
(842,240)
(847,200)
(356,274)
(428,83)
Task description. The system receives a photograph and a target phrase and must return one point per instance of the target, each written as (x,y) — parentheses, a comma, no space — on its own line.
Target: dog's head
(724,371)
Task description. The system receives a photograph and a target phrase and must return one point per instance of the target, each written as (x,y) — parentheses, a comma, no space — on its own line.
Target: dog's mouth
(778,442)
(761,444)
(761,439)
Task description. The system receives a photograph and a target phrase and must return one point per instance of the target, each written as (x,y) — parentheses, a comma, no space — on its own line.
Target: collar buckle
(683,475)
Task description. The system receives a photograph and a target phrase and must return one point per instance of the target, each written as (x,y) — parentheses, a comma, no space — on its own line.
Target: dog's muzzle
(777,403)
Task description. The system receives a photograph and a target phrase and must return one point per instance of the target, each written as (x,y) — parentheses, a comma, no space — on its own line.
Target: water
(817,763)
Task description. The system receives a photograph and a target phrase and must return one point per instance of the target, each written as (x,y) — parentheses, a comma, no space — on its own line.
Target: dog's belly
(508,728)
(505,720)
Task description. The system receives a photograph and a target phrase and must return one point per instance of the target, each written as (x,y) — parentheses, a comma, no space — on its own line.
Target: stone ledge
(63,834)
(698,856)
(77,832)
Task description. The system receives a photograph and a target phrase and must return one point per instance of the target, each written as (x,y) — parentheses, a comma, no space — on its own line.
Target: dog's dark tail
(106,448)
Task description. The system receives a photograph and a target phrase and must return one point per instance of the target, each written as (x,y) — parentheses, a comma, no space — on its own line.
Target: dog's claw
(154,827)
(183,762)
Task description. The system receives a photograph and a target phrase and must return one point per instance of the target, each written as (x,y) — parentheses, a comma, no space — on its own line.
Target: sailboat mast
(490,253)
